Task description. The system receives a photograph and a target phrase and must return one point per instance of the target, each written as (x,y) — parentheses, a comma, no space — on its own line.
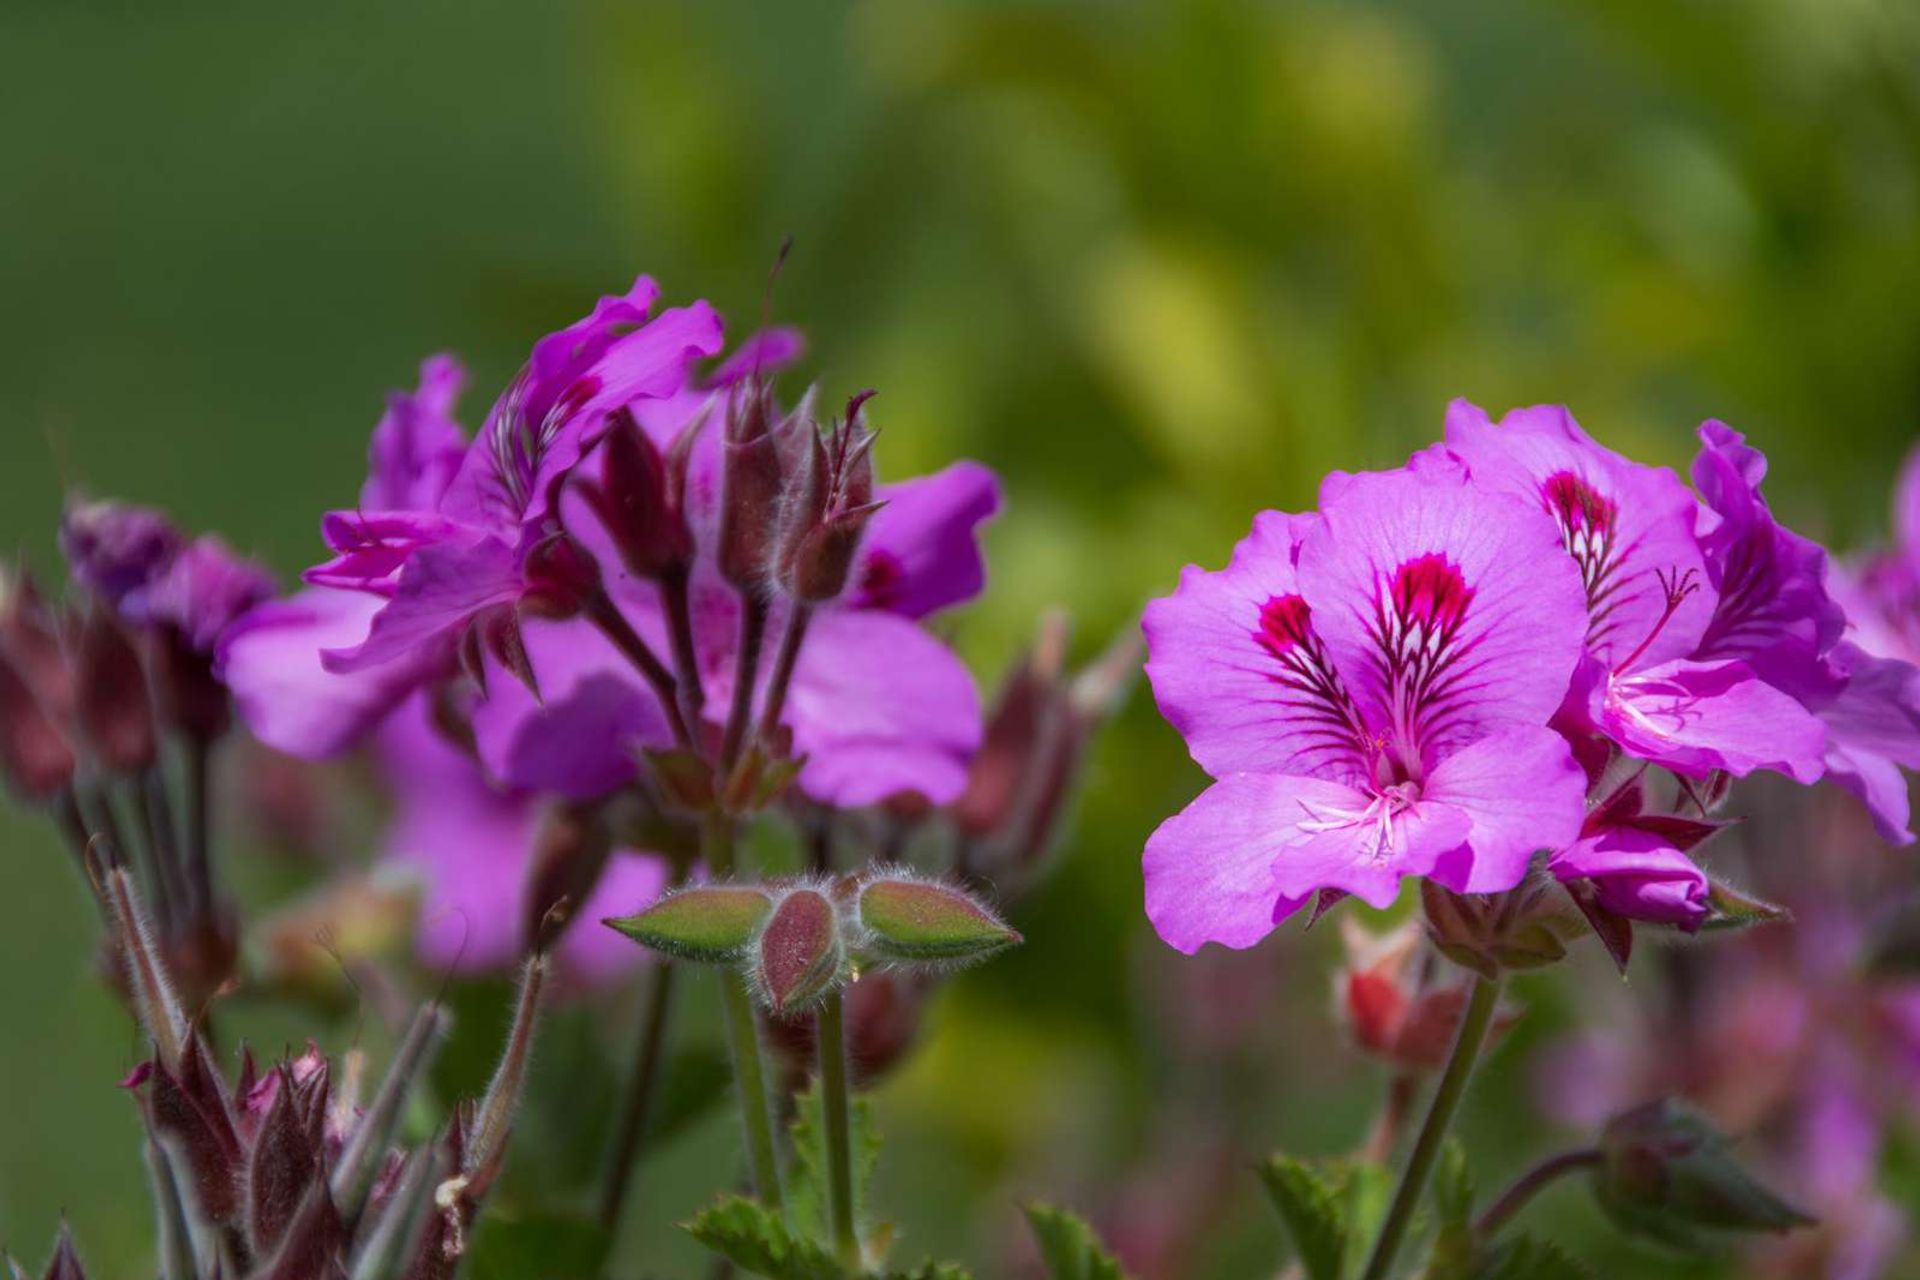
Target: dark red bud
(284,1164)
(115,712)
(30,637)
(561,576)
(750,490)
(34,754)
(637,499)
(1026,714)
(65,1263)
(188,695)
(799,955)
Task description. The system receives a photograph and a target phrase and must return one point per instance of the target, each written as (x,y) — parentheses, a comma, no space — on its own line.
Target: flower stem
(604,614)
(831,1032)
(783,664)
(199,767)
(636,1107)
(743,1033)
(686,662)
(1433,1131)
(753,634)
(1531,1183)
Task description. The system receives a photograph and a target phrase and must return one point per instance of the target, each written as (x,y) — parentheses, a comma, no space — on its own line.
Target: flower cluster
(1497,652)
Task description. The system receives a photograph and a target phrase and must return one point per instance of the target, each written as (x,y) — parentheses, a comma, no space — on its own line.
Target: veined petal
(1628,527)
(1239,669)
(1698,717)
(271,661)
(1448,611)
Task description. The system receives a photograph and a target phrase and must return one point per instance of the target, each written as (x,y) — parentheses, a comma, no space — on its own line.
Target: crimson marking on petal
(1589,524)
(1313,688)
(882,581)
(1419,612)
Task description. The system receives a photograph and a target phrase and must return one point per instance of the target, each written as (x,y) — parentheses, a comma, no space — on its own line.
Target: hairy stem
(636,1107)
(1531,1183)
(1433,1130)
(831,1032)
(743,1034)
(783,664)
(199,769)
(753,634)
(686,663)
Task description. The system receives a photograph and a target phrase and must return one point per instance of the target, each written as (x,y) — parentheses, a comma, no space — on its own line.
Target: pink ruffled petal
(921,552)
(1697,717)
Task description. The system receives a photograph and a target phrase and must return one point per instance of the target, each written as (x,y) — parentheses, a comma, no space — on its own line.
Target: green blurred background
(1163,265)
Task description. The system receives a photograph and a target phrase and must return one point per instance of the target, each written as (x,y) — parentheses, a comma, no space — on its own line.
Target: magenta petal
(1638,874)
(1505,626)
(582,737)
(417,446)
(1873,731)
(439,591)
(922,550)
(373,546)
(1521,792)
(1697,717)
(764,352)
(880,707)
(1626,525)
(271,661)
(1210,868)
(1213,661)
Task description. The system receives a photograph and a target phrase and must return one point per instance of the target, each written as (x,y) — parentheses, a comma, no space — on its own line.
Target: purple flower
(1637,862)
(1370,688)
(475,553)
(202,593)
(1776,614)
(135,560)
(116,549)
(877,706)
(470,844)
(1651,682)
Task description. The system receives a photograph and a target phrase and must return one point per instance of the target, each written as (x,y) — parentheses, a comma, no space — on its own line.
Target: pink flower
(1370,688)
(1650,682)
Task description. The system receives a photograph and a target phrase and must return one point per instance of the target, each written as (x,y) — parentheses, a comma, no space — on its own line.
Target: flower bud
(65,1263)
(1026,716)
(708,924)
(115,549)
(115,713)
(1666,1173)
(1521,929)
(188,696)
(30,638)
(561,576)
(1392,1007)
(828,503)
(638,499)
(799,957)
(34,755)
(750,488)
(919,921)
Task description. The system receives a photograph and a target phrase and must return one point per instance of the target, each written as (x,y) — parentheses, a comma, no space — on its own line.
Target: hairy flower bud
(30,636)
(638,498)
(1392,1005)
(1523,928)
(708,924)
(750,488)
(919,921)
(1667,1174)
(115,549)
(828,503)
(34,754)
(114,711)
(799,955)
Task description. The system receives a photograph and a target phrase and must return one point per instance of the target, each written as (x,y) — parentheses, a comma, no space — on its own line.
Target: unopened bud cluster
(798,941)
(1665,1173)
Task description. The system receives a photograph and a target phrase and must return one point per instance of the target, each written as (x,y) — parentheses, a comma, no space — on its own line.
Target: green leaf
(1312,1204)
(709,924)
(754,1238)
(553,1246)
(806,1185)
(1524,1257)
(1069,1247)
(1454,1245)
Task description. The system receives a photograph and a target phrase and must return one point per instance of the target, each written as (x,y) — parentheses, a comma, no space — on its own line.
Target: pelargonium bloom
(1662,677)
(1637,862)
(470,843)
(1777,615)
(1370,688)
(475,554)
(878,706)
